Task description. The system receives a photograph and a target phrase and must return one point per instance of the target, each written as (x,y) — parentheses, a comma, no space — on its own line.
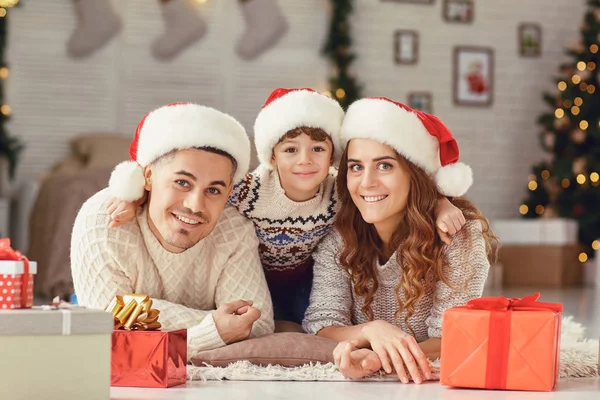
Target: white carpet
(578,358)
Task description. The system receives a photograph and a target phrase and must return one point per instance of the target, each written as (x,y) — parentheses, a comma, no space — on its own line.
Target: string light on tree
(594,177)
(575,110)
(591,65)
(576,79)
(583,257)
(565,183)
(539,209)
(581,179)
(583,124)
(591,89)
(5,110)
(581,65)
(562,86)
(523,209)
(596,245)
(559,113)
(594,48)
(532,185)
(545,174)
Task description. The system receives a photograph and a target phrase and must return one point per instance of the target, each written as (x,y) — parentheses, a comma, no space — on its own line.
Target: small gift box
(500,343)
(142,355)
(16,278)
(55,353)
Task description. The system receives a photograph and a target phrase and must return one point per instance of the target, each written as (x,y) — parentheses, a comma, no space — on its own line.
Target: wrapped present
(142,355)
(55,353)
(539,252)
(500,343)
(16,278)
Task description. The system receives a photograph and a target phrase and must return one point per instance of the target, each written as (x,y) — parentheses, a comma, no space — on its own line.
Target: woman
(383,278)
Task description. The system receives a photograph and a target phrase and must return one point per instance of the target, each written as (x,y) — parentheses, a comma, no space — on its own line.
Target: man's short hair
(209,149)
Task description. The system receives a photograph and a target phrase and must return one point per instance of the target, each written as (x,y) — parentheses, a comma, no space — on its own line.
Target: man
(194,256)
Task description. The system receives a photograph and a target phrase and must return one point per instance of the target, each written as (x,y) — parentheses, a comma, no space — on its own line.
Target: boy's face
(302,164)
(188,192)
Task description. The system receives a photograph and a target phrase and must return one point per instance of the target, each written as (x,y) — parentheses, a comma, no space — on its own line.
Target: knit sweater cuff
(204,336)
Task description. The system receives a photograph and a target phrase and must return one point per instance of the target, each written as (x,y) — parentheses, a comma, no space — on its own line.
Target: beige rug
(578,358)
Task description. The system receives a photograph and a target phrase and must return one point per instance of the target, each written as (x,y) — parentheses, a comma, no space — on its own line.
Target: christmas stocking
(97,24)
(265,24)
(183,26)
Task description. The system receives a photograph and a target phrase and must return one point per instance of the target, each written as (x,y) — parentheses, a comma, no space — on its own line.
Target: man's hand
(234,320)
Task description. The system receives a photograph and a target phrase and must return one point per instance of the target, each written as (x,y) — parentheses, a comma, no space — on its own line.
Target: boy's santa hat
(288,109)
(420,137)
(178,126)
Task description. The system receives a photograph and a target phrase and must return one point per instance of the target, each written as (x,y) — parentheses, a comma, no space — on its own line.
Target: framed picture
(530,39)
(458,11)
(473,76)
(410,1)
(421,101)
(406,47)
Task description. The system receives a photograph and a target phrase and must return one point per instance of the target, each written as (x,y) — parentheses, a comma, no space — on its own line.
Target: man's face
(188,192)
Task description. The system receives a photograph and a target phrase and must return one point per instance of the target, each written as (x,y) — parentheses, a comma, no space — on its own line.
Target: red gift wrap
(16,278)
(143,356)
(152,359)
(500,343)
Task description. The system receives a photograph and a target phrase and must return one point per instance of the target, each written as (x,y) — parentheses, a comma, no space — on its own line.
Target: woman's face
(378,184)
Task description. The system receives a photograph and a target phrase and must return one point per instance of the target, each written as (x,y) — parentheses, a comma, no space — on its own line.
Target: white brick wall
(55,98)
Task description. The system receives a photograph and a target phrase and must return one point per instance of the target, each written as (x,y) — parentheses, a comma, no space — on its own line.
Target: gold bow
(134,312)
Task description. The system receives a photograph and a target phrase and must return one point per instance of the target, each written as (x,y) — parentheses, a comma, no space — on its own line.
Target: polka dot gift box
(16,278)
(16,289)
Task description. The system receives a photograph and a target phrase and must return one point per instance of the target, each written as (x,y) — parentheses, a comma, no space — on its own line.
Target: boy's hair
(316,134)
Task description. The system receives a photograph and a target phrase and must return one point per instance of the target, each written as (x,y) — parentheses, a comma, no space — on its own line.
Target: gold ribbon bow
(134,312)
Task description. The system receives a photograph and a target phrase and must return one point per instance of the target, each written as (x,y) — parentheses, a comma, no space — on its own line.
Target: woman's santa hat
(178,126)
(288,109)
(420,137)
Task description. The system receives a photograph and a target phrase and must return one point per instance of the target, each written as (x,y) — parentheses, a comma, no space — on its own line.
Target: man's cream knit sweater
(185,287)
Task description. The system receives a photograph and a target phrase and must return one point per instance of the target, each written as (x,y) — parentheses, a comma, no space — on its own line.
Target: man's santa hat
(288,109)
(420,137)
(178,126)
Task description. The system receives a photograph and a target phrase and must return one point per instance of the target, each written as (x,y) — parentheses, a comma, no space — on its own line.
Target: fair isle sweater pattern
(287,231)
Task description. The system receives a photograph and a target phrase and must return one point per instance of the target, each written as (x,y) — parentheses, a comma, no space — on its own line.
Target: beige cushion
(102,150)
(288,349)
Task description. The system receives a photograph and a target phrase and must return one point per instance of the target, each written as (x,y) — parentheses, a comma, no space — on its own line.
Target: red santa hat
(420,137)
(178,126)
(287,109)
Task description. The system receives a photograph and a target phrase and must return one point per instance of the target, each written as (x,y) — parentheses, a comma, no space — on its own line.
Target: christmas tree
(10,146)
(567,185)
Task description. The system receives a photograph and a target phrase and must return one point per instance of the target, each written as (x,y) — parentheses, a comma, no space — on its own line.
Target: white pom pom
(454,179)
(127,181)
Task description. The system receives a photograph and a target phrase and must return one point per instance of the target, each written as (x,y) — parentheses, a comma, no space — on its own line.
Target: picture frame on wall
(530,39)
(406,47)
(422,101)
(473,80)
(458,11)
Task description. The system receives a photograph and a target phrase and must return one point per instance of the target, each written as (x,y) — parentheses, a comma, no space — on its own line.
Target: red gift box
(16,278)
(153,359)
(500,343)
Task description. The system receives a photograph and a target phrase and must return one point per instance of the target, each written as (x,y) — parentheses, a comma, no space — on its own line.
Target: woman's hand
(355,363)
(449,220)
(397,348)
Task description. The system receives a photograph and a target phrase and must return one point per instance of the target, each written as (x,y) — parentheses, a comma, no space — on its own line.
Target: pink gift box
(11,284)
